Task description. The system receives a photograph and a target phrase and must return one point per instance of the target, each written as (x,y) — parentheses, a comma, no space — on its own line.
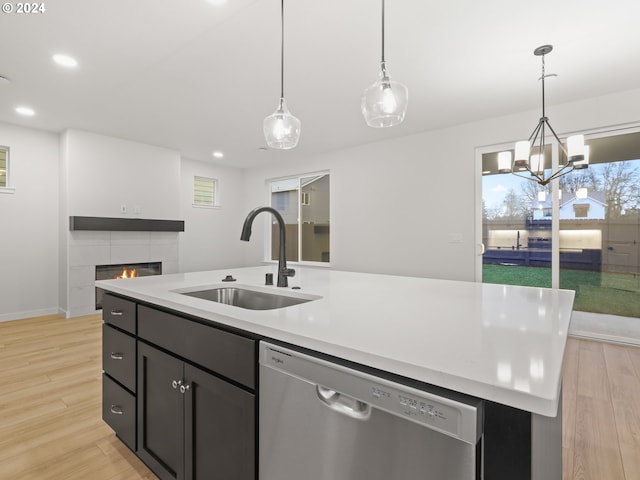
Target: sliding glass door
(584,236)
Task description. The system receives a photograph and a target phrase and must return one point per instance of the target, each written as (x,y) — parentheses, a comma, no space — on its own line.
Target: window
(205,191)
(4,167)
(303,202)
(588,241)
(581,211)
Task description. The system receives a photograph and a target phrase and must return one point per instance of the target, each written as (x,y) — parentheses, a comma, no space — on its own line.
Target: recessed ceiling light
(218,154)
(26,111)
(65,60)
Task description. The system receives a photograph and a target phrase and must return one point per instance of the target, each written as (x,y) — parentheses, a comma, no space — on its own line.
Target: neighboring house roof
(597,197)
(569,198)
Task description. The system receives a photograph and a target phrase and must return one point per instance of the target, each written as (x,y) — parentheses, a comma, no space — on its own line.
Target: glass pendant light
(281,129)
(384,103)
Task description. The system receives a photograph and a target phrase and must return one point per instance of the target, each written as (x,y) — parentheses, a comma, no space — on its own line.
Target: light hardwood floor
(51,426)
(50,404)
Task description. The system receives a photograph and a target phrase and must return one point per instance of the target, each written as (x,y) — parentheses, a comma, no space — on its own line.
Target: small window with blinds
(4,167)
(205,192)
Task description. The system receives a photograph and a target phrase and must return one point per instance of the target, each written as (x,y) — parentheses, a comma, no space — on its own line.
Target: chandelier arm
(557,138)
(561,172)
(534,134)
(533,177)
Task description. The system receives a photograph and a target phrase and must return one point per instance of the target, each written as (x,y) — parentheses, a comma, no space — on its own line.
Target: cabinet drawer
(119,312)
(119,356)
(228,354)
(119,411)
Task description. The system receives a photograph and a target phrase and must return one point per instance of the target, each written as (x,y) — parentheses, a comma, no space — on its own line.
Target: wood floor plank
(570,392)
(50,404)
(625,394)
(592,375)
(597,453)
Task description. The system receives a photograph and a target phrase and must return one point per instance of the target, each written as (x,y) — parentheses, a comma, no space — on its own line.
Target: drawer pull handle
(116,313)
(116,409)
(184,388)
(117,355)
(176,383)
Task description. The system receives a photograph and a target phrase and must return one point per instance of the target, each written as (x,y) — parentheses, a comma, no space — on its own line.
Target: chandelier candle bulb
(575,148)
(504,162)
(521,160)
(584,163)
(537,164)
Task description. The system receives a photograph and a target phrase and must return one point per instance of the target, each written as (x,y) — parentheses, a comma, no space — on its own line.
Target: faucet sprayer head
(246,231)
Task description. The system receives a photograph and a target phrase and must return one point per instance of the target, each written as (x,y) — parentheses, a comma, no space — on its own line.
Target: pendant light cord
(382,61)
(382,31)
(282,49)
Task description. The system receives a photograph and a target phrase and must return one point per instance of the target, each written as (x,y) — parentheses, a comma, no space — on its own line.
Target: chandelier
(529,154)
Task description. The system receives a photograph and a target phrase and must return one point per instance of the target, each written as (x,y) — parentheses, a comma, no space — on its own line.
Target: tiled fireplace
(124,270)
(87,249)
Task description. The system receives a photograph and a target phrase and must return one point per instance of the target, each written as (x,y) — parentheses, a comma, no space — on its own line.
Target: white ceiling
(195,77)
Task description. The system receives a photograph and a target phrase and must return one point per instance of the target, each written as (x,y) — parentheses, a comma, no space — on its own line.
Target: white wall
(29,225)
(104,173)
(425,222)
(211,238)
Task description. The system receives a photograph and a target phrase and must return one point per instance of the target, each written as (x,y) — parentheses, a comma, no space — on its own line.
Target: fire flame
(128,273)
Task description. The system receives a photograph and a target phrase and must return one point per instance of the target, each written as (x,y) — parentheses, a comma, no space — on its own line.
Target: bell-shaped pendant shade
(281,129)
(384,103)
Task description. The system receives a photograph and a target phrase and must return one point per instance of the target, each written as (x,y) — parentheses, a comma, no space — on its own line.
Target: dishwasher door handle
(343,404)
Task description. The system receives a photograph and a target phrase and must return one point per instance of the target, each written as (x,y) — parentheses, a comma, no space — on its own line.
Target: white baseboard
(7,317)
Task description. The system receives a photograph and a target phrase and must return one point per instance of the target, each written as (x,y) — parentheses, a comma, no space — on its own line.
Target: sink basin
(250,299)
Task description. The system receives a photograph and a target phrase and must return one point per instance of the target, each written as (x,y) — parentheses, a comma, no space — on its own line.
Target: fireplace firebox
(124,270)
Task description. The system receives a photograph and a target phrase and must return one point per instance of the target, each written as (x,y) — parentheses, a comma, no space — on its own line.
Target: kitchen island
(502,344)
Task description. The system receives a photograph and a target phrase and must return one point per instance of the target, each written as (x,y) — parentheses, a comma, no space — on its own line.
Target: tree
(514,206)
(579,179)
(530,192)
(620,182)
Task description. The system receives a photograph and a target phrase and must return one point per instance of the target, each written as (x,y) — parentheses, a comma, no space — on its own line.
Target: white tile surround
(88,249)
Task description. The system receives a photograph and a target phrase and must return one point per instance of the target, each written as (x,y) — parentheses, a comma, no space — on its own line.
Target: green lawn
(614,293)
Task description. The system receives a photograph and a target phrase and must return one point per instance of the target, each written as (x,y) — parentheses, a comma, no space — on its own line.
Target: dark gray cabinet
(219,429)
(180,392)
(160,407)
(119,368)
(191,424)
(194,422)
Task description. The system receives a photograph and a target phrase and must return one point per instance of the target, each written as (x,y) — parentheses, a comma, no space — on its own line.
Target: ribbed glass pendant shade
(384,103)
(281,129)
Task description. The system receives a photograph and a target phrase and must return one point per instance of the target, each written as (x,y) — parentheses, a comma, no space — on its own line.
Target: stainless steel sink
(245,298)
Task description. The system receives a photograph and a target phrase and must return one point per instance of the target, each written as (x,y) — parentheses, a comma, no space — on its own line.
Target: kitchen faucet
(283,271)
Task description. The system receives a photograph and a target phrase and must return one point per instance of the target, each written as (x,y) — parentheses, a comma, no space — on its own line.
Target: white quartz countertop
(501,343)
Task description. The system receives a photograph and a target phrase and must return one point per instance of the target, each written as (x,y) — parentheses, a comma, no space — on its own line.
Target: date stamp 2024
(24,8)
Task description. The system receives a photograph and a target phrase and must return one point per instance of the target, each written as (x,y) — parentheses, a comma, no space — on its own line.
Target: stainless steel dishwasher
(320,420)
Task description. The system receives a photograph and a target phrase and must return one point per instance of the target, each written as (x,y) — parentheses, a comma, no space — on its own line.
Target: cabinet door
(160,412)
(219,429)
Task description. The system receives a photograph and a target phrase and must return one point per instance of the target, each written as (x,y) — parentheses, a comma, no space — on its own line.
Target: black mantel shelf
(125,224)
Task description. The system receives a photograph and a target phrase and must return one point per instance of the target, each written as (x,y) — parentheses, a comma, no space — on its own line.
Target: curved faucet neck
(283,271)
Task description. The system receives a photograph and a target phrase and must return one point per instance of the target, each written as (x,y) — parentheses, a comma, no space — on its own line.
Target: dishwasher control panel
(426,411)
